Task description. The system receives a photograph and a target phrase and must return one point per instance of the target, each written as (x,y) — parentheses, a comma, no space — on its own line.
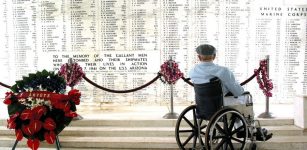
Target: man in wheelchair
(234,95)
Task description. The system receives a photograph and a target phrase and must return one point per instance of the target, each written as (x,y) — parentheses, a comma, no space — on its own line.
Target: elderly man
(206,70)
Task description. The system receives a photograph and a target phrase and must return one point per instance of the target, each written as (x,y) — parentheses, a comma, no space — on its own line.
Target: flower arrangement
(72,73)
(38,108)
(265,84)
(170,72)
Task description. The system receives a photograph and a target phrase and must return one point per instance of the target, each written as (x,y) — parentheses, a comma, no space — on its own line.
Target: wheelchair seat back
(209,98)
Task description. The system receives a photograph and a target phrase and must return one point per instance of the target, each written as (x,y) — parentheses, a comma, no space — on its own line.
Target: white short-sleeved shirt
(204,71)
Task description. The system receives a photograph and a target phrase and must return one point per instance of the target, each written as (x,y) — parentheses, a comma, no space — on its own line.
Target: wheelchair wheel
(227,129)
(186,131)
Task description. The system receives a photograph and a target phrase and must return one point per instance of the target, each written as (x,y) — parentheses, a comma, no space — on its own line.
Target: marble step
(289,130)
(25,148)
(156,122)
(165,122)
(68,148)
(276,143)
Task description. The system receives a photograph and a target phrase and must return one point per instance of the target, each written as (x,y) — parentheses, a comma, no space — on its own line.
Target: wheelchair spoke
(232,123)
(194,141)
(183,131)
(220,128)
(220,144)
(202,127)
(188,121)
(225,123)
(238,140)
(218,137)
(201,121)
(188,139)
(237,130)
(202,142)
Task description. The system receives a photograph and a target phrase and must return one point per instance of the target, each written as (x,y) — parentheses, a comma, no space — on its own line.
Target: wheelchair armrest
(228,94)
(246,93)
(250,98)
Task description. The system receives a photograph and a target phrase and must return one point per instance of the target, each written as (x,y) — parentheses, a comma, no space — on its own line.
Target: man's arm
(231,84)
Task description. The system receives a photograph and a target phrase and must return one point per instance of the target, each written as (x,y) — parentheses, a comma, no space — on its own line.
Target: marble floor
(117,112)
(153,112)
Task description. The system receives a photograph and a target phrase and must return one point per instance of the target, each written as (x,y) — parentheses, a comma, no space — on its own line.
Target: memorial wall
(121,43)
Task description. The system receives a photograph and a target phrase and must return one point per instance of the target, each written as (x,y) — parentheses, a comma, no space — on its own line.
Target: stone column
(300,111)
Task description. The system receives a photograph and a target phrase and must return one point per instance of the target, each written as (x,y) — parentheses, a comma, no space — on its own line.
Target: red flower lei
(265,84)
(72,73)
(170,72)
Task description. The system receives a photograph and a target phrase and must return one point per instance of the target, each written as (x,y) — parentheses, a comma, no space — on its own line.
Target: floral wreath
(265,84)
(170,72)
(38,108)
(72,73)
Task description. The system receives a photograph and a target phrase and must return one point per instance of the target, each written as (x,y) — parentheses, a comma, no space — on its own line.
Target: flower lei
(38,108)
(72,73)
(265,84)
(170,72)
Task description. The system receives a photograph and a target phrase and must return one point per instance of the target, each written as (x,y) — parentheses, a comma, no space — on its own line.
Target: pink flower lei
(265,84)
(170,72)
(72,73)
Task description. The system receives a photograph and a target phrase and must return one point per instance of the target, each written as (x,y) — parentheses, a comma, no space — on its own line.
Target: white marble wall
(300,111)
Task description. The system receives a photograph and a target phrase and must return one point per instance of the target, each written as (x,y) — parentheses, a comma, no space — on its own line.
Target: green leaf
(20,84)
(16,107)
(14,88)
(51,73)
(45,73)
(26,79)
(39,74)
(32,75)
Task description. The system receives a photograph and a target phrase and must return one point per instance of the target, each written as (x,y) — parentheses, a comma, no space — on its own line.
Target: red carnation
(66,106)
(33,144)
(71,114)
(75,96)
(8,96)
(49,124)
(7,101)
(49,137)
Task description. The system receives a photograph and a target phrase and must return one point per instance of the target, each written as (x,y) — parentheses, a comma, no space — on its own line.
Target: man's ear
(199,57)
(214,56)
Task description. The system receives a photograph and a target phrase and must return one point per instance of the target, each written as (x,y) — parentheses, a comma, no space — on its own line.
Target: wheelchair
(211,125)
